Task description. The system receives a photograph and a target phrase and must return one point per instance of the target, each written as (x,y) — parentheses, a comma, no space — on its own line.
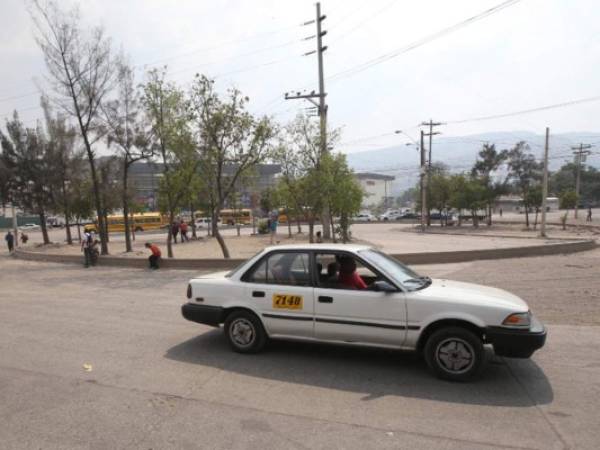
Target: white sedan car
(354,294)
(29,227)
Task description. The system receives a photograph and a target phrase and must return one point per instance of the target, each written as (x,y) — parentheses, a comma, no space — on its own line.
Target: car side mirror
(383,286)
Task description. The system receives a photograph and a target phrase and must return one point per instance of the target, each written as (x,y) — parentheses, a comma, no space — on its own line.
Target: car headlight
(518,320)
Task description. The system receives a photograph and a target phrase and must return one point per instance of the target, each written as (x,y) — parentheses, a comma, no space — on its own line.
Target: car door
(351,315)
(279,286)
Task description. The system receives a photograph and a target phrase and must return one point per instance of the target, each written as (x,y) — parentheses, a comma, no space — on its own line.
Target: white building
(514,204)
(377,188)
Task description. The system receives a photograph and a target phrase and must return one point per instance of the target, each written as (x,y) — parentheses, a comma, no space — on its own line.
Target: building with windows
(377,187)
(145,179)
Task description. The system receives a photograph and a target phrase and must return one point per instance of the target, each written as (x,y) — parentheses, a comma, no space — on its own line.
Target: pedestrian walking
(10,241)
(175,231)
(589,215)
(86,247)
(183,229)
(155,256)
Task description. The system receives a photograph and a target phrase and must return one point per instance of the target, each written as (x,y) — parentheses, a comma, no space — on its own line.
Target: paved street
(158,381)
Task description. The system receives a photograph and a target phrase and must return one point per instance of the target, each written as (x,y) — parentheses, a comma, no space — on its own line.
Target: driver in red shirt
(348,275)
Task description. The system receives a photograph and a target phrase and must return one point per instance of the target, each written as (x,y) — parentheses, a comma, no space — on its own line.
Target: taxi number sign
(282,301)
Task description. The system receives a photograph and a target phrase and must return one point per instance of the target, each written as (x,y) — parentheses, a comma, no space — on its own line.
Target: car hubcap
(242,332)
(455,355)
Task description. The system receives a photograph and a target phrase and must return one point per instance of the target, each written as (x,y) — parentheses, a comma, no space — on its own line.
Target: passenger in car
(332,272)
(348,276)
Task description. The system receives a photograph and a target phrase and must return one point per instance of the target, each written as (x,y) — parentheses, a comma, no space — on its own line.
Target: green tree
(488,162)
(168,114)
(524,172)
(534,200)
(344,195)
(439,190)
(567,200)
(230,142)
(25,154)
(467,194)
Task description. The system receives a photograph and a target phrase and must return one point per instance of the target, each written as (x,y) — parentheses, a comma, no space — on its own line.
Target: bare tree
(230,143)
(81,72)
(126,129)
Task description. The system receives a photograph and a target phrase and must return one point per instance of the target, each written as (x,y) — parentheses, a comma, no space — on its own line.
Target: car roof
(326,246)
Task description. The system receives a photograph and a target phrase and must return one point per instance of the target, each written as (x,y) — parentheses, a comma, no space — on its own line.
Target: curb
(407,258)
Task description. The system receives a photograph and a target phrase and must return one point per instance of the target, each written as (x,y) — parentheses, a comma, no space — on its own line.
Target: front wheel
(454,354)
(245,332)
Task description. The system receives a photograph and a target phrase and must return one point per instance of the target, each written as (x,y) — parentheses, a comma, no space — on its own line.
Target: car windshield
(398,271)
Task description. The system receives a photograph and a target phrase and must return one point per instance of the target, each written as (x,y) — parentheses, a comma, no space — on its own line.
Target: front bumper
(206,314)
(515,343)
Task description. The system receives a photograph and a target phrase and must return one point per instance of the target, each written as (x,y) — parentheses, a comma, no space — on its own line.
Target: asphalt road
(157,381)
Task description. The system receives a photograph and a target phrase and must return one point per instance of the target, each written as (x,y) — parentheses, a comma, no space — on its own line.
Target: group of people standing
(180,228)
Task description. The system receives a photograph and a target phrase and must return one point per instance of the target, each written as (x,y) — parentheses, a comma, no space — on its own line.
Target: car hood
(470,293)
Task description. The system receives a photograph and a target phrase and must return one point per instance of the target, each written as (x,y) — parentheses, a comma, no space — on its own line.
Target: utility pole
(423,183)
(321,105)
(545,185)
(580,153)
(431,133)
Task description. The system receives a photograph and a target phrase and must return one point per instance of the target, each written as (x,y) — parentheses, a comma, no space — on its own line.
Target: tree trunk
(79,229)
(527,216)
(96,190)
(216,233)
(194,236)
(67,213)
(537,210)
(105,220)
(311,231)
(489,217)
(299,226)
(459,217)
(170,234)
(332,222)
(344,226)
(128,247)
(68,230)
(475,218)
(289,222)
(42,216)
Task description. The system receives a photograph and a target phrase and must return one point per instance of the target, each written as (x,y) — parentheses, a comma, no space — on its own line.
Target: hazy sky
(531,54)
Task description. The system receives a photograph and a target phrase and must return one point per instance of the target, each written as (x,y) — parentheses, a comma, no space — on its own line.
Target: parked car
(29,227)
(364,217)
(408,215)
(390,215)
(354,294)
(449,219)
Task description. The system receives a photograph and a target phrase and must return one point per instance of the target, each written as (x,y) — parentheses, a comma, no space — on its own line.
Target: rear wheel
(455,354)
(245,332)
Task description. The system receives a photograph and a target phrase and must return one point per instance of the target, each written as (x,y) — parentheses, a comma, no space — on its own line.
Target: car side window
(341,271)
(285,268)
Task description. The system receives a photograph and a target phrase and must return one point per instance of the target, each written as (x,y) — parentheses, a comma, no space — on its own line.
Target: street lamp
(422,176)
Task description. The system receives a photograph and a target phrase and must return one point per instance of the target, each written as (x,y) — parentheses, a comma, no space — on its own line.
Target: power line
(427,39)
(363,22)
(526,111)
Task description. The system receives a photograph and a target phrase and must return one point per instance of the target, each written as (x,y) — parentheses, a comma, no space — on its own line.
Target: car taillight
(189,291)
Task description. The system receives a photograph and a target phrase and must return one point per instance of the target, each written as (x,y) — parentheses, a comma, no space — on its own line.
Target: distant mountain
(460,152)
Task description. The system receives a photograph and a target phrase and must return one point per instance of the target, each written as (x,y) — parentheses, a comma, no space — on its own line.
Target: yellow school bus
(235,216)
(138,222)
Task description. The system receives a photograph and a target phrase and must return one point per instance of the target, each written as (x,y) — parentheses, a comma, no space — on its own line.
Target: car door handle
(325,299)
(258,294)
